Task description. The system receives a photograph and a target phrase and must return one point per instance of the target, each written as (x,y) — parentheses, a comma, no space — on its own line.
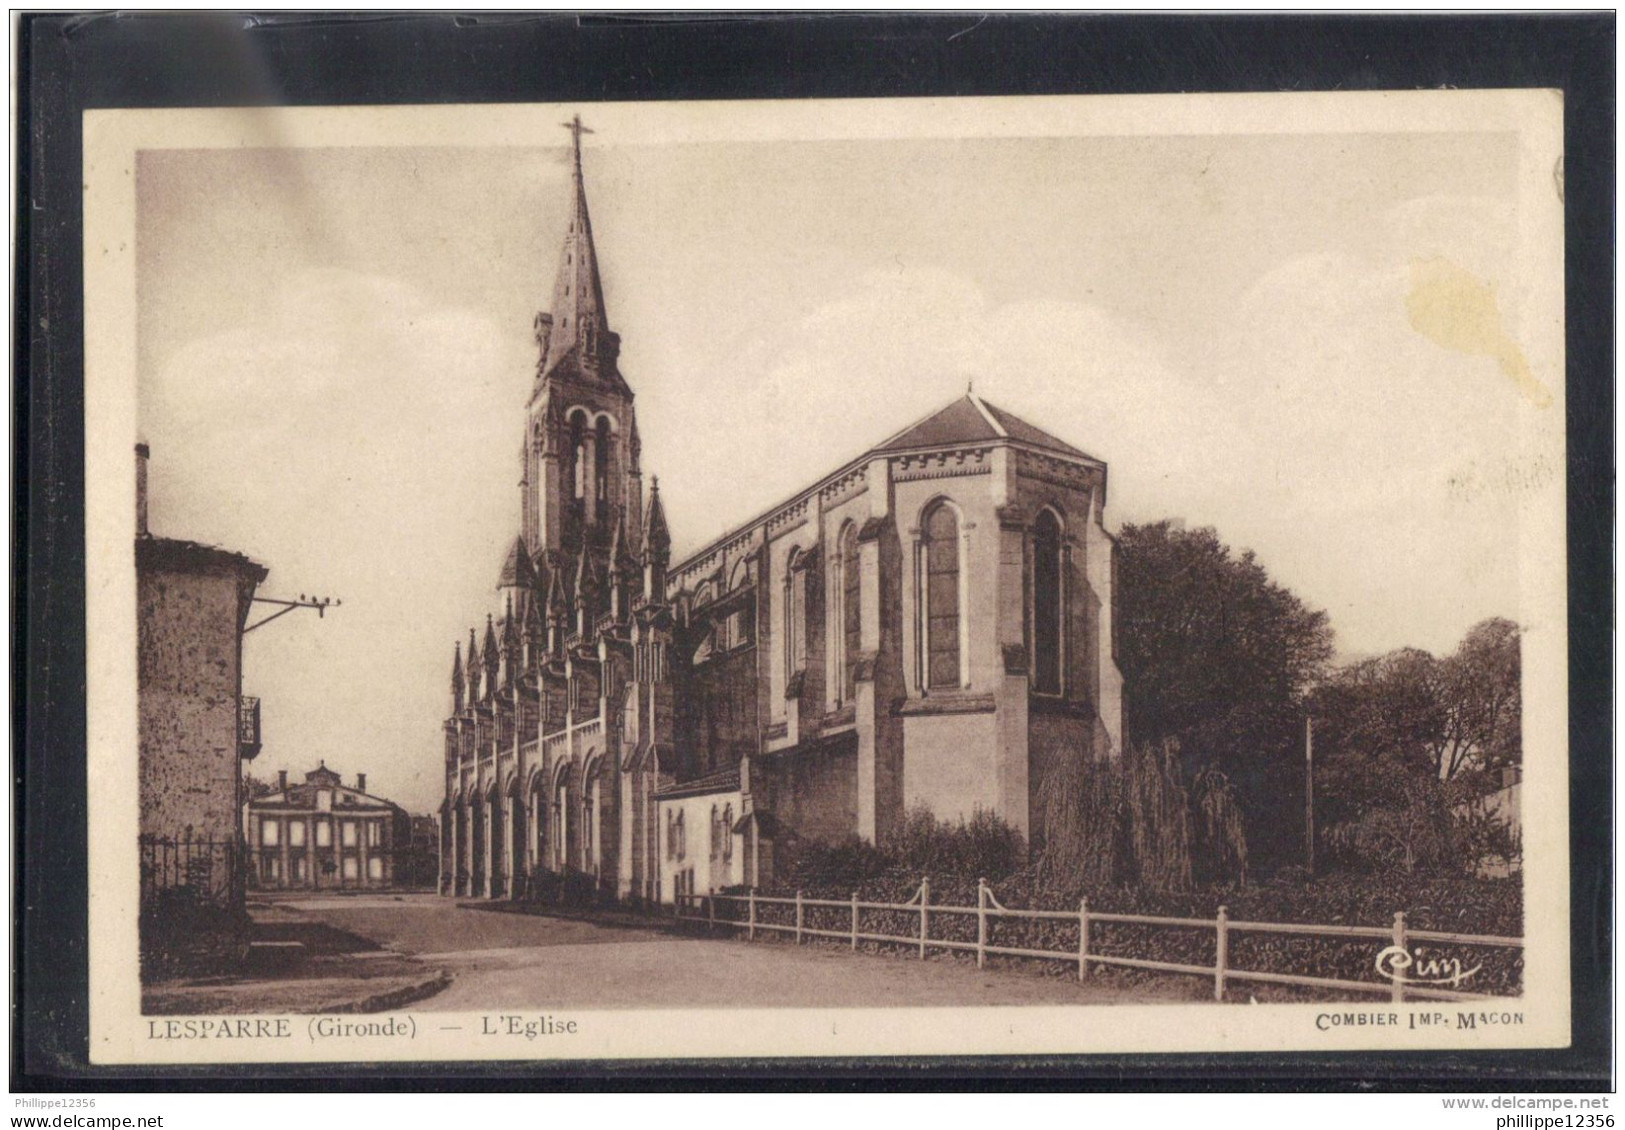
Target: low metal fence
(988,910)
(205,871)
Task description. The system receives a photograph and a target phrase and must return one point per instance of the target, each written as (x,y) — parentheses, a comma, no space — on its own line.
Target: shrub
(985,846)
(569,888)
(1134,821)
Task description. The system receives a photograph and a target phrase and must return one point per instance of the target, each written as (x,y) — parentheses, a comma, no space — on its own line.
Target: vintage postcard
(755,579)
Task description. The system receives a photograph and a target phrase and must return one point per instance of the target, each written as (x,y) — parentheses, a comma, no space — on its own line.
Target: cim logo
(1399,964)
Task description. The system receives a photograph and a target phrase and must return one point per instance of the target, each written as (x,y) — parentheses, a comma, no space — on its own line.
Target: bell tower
(581,479)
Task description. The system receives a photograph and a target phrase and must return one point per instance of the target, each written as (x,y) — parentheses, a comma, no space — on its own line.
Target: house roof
(303,798)
(180,556)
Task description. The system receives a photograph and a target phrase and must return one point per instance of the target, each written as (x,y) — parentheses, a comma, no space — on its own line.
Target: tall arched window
(941,542)
(589,841)
(851,611)
(601,462)
(1048,600)
(578,456)
(795,595)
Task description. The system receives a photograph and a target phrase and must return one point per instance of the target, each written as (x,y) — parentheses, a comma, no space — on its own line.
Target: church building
(930,624)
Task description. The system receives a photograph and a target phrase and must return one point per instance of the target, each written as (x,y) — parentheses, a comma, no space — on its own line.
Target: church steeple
(581,456)
(576,334)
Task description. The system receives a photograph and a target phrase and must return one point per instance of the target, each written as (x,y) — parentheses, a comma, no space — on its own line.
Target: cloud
(1318,427)
(355,438)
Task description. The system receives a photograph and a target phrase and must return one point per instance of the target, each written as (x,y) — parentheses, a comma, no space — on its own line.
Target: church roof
(722,781)
(966,420)
(970,419)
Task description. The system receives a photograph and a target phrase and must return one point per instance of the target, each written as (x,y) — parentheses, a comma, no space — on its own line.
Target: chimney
(142,453)
(282,780)
(360,782)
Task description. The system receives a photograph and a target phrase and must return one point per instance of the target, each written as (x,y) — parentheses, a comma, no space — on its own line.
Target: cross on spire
(576,130)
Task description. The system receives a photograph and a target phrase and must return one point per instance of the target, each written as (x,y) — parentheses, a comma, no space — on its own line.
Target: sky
(1258,333)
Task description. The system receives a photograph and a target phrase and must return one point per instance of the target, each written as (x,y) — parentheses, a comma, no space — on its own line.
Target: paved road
(501,960)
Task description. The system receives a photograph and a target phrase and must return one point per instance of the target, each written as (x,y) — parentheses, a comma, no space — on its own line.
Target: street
(506,960)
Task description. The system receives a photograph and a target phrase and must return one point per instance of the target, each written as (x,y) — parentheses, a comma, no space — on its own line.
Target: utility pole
(320,603)
(1309,792)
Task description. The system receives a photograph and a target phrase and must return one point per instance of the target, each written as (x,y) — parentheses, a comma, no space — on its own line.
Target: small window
(375,833)
(347,829)
(270,832)
(352,867)
(324,833)
(728,832)
(375,867)
(682,838)
(296,833)
(716,832)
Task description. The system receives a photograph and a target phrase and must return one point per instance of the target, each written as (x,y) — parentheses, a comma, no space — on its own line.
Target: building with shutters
(930,624)
(323,834)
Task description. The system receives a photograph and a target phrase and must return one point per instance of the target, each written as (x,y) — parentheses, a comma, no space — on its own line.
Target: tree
(254,788)
(1482,686)
(1459,715)
(1411,741)
(1217,656)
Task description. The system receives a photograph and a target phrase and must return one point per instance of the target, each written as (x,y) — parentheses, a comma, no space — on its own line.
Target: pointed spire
(510,629)
(622,568)
(558,605)
(457,683)
(579,323)
(619,558)
(489,652)
(587,590)
(656,545)
(535,633)
(473,669)
(656,537)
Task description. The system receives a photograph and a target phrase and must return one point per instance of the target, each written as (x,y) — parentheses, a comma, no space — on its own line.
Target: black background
(69,64)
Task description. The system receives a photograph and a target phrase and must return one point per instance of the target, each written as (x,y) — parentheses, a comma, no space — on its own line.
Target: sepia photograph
(878,577)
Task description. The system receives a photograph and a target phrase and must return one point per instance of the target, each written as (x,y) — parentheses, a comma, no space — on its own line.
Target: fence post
(1221,952)
(925,917)
(981,923)
(1394,971)
(711,913)
(798,917)
(1083,938)
(854,919)
(751,935)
